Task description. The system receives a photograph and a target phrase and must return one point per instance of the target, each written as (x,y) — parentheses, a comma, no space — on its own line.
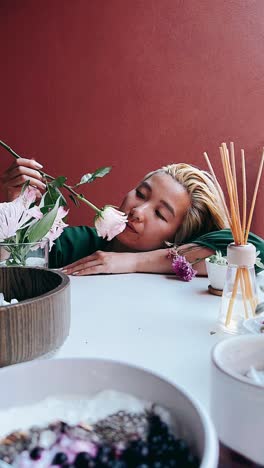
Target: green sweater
(78,242)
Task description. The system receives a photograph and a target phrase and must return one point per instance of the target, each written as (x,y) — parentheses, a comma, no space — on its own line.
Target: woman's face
(155,209)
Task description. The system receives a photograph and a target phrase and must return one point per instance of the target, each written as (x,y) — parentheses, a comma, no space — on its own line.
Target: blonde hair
(206,212)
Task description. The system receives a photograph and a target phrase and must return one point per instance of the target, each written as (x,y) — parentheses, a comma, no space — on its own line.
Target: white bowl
(237,404)
(31,382)
(216,274)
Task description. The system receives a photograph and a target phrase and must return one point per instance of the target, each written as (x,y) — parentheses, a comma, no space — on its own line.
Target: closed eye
(140,194)
(158,213)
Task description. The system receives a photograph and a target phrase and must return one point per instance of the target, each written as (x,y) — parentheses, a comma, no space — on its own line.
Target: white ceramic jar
(216,274)
(237,403)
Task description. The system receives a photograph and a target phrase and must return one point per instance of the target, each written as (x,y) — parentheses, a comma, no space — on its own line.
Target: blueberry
(35,453)
(63,427)
(155,439)
(181,445)
(157,426)
(137,452)
(192,461)
(118,464)
(92,464)
(59,459)
(82,460)
(172,463)
(181,449)
(105,455)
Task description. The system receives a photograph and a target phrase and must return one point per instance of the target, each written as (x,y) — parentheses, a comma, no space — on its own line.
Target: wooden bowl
(40,321)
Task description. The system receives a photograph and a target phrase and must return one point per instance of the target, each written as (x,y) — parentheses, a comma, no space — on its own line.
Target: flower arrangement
(24,222)
(28,219)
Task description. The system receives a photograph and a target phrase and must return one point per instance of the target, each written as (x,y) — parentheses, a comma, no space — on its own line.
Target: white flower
(28,196)
(110,222)
(57,227)
(13,216)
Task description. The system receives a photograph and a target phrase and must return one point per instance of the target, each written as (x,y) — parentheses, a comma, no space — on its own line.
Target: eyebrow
(164,203)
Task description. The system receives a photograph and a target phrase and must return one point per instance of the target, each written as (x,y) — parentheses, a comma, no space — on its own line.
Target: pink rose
(110,222)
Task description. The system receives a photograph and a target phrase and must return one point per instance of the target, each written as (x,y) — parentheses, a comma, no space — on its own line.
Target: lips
(131,228)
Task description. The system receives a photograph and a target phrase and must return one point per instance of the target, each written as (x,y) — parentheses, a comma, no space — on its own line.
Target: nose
(137,213)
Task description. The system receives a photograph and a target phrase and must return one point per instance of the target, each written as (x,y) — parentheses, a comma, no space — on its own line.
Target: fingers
(91,265)
(21,179)
(18,173)
(30,163)
(91,270)
(73,270)
(81,261)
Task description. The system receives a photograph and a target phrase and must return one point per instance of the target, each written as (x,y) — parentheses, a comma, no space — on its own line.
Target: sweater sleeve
(75,243)
(219,240)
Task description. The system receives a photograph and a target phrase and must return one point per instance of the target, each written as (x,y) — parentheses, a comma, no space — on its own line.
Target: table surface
(154,321)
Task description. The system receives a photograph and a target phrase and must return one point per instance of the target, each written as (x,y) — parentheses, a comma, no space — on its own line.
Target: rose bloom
(110,222)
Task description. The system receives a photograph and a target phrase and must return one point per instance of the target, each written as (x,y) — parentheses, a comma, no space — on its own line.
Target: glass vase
(239,299)
(34,254)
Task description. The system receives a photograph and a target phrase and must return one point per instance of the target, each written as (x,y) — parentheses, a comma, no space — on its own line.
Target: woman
(177,203)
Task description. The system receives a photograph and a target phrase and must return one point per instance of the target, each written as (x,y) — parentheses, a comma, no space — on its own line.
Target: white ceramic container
(216,274)
(32,382)
(237,404)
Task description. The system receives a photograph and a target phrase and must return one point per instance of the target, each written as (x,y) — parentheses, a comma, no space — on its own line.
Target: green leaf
(75,200)
(45,209)
(218,258)
(88,178)
(52,195)
(58,182)
(101,172)
(259,263)
(24,186)
(38,230)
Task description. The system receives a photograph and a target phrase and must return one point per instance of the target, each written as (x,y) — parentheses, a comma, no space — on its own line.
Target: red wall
(131,83)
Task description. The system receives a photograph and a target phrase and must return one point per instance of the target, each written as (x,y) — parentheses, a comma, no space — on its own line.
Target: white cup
(237,403)
(216,274)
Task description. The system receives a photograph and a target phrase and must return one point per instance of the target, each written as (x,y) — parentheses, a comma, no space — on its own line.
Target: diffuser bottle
(239,297)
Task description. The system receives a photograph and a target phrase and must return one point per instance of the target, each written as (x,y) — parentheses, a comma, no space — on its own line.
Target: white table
(152,321)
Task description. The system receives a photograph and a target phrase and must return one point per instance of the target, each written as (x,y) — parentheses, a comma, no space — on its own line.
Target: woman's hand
(103,263)
(17,174)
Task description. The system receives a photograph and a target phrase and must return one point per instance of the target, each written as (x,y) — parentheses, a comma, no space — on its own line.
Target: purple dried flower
(182,268)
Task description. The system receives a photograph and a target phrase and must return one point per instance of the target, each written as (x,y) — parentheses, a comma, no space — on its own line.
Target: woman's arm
(158,262)
(155,261)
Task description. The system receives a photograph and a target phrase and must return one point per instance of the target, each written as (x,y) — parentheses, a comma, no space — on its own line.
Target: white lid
(241,255)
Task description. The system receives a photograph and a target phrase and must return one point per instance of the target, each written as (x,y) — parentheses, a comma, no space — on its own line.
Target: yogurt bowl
(27,384)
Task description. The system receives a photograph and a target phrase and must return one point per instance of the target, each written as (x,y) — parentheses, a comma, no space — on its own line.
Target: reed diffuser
(239,299)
